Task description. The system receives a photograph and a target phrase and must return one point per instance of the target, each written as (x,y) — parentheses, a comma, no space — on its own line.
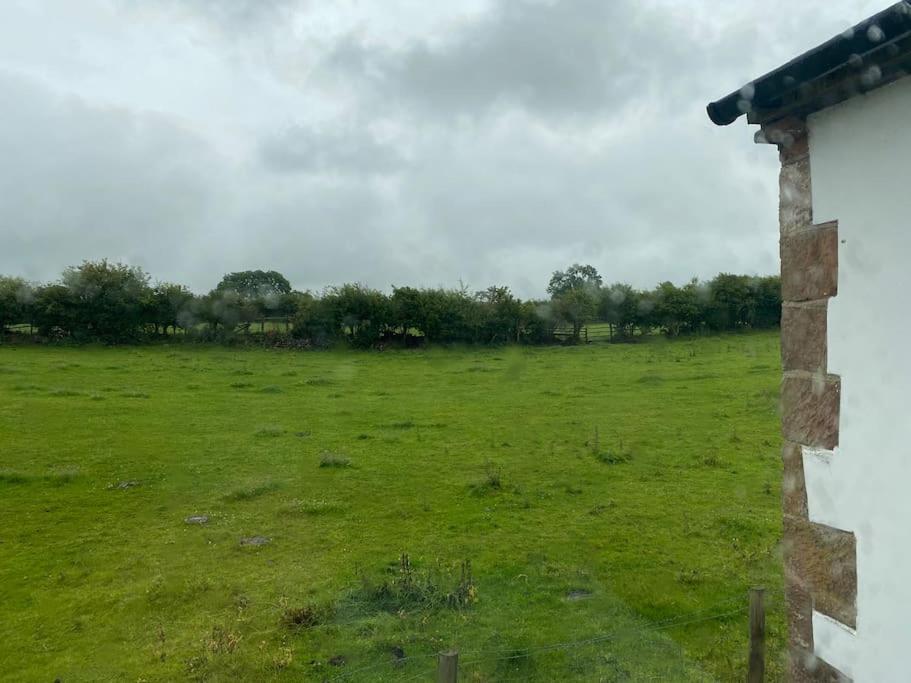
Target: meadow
(564,513)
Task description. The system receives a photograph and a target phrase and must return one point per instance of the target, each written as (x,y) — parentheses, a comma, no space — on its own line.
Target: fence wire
(472,657)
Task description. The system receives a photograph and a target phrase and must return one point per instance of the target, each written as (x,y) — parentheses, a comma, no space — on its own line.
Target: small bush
(327,459)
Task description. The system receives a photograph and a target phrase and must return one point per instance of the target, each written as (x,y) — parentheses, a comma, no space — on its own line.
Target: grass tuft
(251,492)
(328,459)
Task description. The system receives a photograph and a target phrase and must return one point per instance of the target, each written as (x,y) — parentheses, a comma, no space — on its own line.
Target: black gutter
(858,48)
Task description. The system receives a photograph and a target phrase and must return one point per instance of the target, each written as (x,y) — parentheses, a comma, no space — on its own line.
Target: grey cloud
(523,139)
(84,182)
(557,58)
(330,149)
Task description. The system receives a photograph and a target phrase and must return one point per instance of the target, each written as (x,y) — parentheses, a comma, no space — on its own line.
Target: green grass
(611,497)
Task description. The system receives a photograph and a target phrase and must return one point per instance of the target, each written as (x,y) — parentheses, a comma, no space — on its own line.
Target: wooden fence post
(448,667)
(757,636)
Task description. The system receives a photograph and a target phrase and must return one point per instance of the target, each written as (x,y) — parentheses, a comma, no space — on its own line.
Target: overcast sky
(391,142)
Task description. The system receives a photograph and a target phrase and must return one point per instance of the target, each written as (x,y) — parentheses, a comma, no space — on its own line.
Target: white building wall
(860,161)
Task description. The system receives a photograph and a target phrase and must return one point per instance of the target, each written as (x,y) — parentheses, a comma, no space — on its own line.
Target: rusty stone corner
(809,263)
(804,335)
(810,404)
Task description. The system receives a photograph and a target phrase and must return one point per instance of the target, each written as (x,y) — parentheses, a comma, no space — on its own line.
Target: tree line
(118,303)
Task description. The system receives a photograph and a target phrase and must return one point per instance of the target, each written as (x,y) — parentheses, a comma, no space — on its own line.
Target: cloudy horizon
(491,142)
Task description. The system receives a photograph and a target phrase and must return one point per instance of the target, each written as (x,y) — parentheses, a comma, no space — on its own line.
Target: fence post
(757,636)
(448,667)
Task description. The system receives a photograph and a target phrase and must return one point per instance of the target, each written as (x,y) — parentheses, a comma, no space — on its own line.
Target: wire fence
(646,653)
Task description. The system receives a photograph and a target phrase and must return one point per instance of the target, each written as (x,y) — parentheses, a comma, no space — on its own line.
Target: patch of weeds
(134,394)
(312,506)
(712,461)
(60,477)
(271,389)
(411,589)
(300,617)
(251,492)
(601,508)
(651,379)
(124,485)
(363,437)
(65,392)
(221,641)
(318,382)
(329,459)
(404,424)
(13,477)
(269,431)
(610,456)
(241,385)
(492,481)
(689,577)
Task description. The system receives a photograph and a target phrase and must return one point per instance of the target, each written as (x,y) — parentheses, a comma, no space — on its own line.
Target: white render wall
(860,165)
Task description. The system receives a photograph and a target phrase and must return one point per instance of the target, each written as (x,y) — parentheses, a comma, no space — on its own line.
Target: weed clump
(610,456)
(492,481)
(298,618)
(251,492)
(328,459)
(411,589)
(312,506)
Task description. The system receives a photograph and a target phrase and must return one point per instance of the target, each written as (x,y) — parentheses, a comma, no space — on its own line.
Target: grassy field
(612,501)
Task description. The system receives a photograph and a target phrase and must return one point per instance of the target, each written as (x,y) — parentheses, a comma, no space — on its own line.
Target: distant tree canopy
(116,303)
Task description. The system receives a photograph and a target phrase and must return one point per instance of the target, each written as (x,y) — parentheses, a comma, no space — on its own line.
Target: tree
(362,314)
(314,321)
(405,310)
(730,302)
(619,307)
(251,284)
(258,293)
(575,277)
(15,297)
(170,305)
(107,300)
(502,315)
(676,308)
